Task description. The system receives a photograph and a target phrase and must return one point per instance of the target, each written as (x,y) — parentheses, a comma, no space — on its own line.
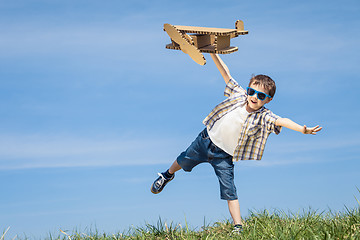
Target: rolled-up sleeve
(232,87)
(270,120)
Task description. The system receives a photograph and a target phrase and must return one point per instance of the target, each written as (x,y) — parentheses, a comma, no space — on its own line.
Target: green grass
(259,225)
(307,224)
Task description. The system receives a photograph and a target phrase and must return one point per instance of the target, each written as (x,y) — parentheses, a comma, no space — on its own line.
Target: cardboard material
(203,39)
(183,43)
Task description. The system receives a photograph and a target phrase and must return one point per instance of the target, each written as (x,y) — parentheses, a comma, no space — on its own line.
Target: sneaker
(160,183)
(237,229)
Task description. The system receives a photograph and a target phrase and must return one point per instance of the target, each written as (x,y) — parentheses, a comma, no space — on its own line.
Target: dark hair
(264,81)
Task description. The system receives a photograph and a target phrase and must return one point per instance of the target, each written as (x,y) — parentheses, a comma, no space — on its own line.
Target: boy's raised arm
(224,70)
(285,122)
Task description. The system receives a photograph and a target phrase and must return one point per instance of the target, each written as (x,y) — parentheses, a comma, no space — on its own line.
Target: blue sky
(93,106)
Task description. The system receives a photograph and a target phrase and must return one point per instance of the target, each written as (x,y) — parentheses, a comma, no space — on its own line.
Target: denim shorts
(201,150)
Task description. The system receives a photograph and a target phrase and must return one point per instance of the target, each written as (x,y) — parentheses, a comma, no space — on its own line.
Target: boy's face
(253,102)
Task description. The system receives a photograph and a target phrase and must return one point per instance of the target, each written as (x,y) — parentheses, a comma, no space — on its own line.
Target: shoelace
(162,180)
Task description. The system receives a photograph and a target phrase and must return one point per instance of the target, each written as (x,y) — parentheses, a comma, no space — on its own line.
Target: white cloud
(316,150)
(17,152)
(28,39)
(40,151)
(315,144)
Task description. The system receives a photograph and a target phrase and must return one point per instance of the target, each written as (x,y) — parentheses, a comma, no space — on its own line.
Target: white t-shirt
(226,131)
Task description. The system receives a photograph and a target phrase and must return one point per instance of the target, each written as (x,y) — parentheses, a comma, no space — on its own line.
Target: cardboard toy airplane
(203,39)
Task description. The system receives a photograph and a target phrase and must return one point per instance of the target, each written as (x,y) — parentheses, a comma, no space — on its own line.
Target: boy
(236,129)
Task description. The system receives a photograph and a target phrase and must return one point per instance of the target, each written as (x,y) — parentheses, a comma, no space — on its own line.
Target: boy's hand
(312,130)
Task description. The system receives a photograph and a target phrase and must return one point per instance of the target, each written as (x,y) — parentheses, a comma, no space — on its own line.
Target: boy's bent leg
(187,160)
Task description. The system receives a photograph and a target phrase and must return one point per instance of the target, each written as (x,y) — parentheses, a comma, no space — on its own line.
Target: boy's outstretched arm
(285,122)
(224,70)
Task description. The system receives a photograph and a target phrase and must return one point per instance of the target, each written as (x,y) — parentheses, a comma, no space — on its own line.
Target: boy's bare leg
(174,167)
(234,209)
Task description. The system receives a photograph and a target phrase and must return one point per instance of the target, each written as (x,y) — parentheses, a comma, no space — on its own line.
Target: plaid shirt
(257,126)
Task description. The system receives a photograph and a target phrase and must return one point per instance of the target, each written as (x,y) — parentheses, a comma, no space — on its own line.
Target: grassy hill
(260,225)
(264,225)
(308,224)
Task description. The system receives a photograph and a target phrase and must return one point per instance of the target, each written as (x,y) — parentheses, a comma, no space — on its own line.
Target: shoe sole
(151,189)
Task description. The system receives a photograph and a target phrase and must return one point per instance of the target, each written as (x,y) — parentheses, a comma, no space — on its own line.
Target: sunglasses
(260,95)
